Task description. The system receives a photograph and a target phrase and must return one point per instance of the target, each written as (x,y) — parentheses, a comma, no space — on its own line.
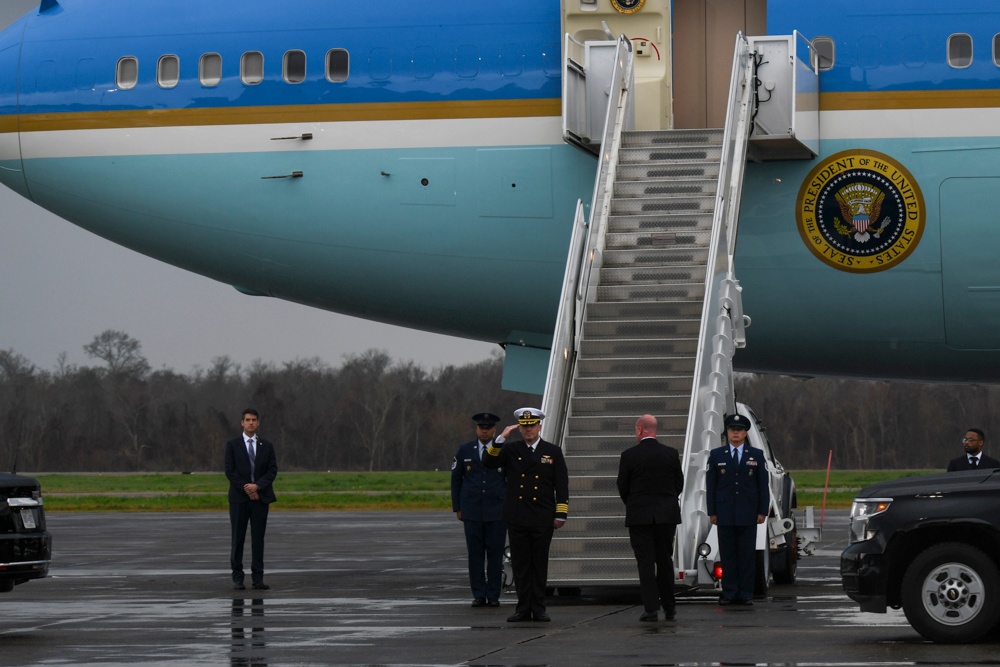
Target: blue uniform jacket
(476,491)
(538,488)
(737,494)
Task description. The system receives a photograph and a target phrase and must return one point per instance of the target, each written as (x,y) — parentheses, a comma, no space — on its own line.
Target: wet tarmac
(377,588)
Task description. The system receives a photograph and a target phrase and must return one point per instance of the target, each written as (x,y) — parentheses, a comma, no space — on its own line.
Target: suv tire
(951,593)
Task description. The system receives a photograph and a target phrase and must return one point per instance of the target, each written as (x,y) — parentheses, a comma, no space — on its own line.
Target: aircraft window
(338,65)
(824,52)
(86,74)
(252,68)
(210,69)
(467,61)
(914,51)
(996,50)
(168,71)
(423,62)
(380,64)
(511,60)
(960,50)
(127,74)
(294,66)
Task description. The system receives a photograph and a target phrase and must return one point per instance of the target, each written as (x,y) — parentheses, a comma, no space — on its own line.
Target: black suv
(930,545)
(25,545)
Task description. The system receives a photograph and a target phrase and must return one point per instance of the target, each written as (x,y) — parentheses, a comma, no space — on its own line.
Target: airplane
(400,163)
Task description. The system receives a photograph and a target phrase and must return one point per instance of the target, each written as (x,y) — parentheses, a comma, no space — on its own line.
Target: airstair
(651,310)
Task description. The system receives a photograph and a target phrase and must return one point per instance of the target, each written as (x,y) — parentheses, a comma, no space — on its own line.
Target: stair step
(657,329)
(636,405)
(710,135)
(666,188)
(603,311)
(603,571)
(595,425)
(624,387)
(659,275)
(652,205)
(602,526)
(594,485)
(606,464)
(675,154)
(675,222)
(663,239)
(635,367)
(637,347)
(656,257)
(615,442)
(659,292)
(673,170)
(588,547)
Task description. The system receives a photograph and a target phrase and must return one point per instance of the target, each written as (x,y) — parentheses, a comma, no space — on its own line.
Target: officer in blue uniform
(477,500)
(738,499)
(536,503)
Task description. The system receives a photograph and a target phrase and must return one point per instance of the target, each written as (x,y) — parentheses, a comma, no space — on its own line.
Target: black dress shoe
(238,586)
(261,586)
(479,602)
(669,615)
(746,602)
(493,603)
(518,617)
(649,617)
(541,617)
(724,600)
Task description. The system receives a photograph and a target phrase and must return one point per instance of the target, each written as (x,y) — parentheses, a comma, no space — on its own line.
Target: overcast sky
(61,286)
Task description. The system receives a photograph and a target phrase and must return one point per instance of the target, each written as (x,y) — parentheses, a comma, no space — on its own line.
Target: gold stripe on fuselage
(302,113)
(909,99)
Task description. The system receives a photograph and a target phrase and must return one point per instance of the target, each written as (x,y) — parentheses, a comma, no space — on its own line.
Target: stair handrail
(722,318)
(579,268)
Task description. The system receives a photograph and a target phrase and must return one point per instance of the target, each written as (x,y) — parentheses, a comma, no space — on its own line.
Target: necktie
(736,456)
(974,460)
(253,455)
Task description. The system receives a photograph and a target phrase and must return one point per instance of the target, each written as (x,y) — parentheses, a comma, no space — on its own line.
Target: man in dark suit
(649,480)
(536,503)
(973,458)
(477,500)
(738,499)
(251,468)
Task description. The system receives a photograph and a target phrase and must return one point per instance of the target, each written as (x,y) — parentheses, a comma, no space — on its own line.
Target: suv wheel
(951,593)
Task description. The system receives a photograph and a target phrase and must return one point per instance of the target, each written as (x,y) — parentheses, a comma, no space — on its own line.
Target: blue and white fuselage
(405,163)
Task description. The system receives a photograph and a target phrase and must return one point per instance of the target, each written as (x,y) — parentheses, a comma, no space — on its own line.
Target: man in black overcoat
(649,480)
(251,468)
(536,503)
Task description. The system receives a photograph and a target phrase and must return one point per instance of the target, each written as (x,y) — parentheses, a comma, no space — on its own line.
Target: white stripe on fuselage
(350,135)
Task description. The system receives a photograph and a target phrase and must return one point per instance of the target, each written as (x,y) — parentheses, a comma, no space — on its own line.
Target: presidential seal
(628,6)
(860,211)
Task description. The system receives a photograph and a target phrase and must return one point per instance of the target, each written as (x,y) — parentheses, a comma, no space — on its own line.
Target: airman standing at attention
(535,505)
(477,501)
(738,499)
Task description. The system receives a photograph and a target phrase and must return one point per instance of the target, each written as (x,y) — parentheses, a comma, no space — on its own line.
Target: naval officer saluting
(535,505)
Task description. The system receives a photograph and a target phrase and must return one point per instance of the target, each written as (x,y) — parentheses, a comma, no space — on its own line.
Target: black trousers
(253,512)
(738,554)
(653,545)
(485,541)
(529,559)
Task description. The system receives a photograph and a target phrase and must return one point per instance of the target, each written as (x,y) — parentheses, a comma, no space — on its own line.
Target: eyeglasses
(970,439)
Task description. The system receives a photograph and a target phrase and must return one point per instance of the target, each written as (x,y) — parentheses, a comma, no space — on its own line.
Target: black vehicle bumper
(25,556)
(863,576)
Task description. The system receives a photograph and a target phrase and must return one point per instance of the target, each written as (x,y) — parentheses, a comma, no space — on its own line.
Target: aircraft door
(11,173)
(704,36)
(647,24)
(970,274)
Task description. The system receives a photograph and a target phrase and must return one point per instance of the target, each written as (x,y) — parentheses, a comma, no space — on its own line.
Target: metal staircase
(649,322)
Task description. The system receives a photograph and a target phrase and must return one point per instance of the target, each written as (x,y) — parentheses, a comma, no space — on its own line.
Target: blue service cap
(485,419)
(737,421)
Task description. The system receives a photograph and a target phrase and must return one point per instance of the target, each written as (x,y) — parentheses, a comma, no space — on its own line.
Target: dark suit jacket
(476,491)
(736,494)
(649,480)
(238,469)
(537,483)
(962,463)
